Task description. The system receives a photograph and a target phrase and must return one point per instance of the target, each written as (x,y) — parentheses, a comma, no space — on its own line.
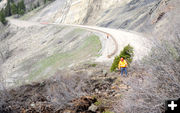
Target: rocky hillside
(44,50)
(61,58)
(76,11)
(32,4)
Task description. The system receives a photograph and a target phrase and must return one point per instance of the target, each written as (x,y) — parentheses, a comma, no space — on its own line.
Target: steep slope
(54,48)
(48,14)
(160,20)
(41,50)
(31,4)
(36,45)
(128,14)
(76,11)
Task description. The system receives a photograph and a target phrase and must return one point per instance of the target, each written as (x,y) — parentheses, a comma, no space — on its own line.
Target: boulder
(93,108)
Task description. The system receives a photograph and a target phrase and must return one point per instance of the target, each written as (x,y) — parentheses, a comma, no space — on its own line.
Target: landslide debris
(82,89)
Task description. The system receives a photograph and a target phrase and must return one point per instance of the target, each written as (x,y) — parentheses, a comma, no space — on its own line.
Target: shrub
(2,17)
(126,53)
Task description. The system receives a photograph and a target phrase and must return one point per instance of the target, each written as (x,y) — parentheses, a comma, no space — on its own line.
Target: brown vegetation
(66,91)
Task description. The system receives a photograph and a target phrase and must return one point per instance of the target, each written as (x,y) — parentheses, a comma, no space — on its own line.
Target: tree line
(12,9)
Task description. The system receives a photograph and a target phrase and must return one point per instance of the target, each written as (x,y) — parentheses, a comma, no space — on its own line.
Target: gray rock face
(131,16)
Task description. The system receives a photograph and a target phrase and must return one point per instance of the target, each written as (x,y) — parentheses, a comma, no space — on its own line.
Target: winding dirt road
(111,46)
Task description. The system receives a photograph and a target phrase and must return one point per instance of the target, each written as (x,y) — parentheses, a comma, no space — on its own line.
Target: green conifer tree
(2,17)
(14,9)
(126,53)
(8,9)
(21,7)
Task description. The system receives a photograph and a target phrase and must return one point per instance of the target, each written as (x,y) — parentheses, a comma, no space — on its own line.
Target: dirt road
(110,46)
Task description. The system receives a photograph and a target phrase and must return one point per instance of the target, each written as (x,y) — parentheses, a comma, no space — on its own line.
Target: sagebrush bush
(127,53)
